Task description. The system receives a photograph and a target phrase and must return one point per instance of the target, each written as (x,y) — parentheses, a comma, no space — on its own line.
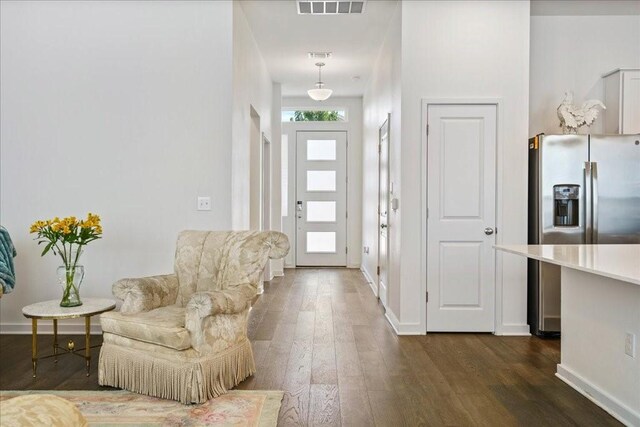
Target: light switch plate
(630,345)
(204,203)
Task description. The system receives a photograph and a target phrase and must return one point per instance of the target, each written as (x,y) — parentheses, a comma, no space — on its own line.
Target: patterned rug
(113,408)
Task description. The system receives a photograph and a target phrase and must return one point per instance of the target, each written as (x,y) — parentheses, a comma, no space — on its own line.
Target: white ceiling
(285,38)
(585,7)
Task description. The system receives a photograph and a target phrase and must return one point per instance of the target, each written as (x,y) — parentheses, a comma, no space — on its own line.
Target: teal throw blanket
(7,270)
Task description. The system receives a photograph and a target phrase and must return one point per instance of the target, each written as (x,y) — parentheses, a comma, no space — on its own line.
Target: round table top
(52,310)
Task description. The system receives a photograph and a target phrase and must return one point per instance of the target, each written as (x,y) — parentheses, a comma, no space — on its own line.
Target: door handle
(383,225)
(488,231)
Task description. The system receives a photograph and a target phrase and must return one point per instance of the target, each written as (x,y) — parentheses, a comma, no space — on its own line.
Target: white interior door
(321,203)
(383,211)
(461,175)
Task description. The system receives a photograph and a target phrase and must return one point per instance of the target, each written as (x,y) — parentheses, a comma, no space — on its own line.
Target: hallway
(320,335)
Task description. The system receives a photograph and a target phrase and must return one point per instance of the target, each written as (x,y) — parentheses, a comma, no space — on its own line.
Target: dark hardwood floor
(321,336)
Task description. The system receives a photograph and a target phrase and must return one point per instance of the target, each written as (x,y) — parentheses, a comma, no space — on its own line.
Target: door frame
(426,102)
(387,122)
(294,245)
(255,166)
(265,193)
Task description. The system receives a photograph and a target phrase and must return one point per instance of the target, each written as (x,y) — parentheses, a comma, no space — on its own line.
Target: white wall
(277,266)
(118,108)
(467,49)
(453,50)
(252,87)
(381,97)
(353,126)
(572,53)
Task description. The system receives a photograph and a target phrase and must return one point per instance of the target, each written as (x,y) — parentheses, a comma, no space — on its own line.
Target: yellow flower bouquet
(67,237)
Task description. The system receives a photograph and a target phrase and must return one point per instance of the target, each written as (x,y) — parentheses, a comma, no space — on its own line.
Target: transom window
(314,115)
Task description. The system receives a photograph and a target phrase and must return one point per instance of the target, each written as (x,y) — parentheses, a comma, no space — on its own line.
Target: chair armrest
(228,301)
(217,319)
(146,293)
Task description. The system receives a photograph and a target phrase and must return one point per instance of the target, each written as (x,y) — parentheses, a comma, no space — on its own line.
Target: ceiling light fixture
(319,93)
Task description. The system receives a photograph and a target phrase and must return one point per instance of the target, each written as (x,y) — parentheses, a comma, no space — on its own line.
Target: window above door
(327,114)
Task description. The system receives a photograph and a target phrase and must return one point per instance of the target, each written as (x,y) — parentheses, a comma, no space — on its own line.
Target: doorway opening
(265,194)
(255,171)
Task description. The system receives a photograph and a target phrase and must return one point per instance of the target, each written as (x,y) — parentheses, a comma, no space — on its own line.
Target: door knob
(383,225)
(488,231)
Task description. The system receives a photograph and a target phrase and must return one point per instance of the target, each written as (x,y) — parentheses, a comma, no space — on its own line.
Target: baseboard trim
(403,328)
(279,273)
(45,327)
(513,330)
(374,291)
(367,276)
(393,321)
(613,406)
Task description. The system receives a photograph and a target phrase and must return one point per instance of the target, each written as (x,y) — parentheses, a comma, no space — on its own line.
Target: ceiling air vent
(327,7)
(319,55)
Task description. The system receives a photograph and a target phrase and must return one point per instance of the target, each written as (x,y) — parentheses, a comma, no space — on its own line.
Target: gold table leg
(87,342)
(34,344)
(55,340)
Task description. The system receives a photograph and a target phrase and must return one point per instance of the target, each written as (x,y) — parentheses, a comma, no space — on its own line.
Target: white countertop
(620,262)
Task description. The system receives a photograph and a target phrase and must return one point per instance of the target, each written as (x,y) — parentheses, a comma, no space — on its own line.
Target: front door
(383,211)
(461,171)
(321,202)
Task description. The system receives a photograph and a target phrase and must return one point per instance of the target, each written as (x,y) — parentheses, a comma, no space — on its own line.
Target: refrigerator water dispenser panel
(566,199)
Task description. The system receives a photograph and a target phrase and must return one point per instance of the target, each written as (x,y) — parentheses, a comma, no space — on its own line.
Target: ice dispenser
(566,199)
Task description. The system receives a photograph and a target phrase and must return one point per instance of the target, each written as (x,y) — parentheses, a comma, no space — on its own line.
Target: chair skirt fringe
(187,382)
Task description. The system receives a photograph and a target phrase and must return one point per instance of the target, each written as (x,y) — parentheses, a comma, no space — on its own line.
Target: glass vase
(70,279)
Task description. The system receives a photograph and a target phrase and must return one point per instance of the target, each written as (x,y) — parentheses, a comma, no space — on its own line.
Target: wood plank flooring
(321,336)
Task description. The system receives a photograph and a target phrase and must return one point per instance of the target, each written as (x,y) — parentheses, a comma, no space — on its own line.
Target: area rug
(118,408)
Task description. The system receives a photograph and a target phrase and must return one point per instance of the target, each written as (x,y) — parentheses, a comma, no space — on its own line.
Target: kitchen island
(600,321)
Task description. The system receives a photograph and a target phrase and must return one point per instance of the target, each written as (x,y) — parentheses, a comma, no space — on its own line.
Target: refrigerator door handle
(587,203)
(594,203)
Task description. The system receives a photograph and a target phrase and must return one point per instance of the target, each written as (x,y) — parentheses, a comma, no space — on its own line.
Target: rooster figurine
(572,118)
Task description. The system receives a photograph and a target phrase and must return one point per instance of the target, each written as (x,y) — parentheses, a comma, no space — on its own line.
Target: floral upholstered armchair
(183,336)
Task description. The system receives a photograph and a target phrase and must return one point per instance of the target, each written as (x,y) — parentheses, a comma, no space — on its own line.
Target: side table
(52,310)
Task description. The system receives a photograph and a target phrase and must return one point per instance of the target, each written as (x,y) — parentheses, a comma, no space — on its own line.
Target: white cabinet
(622,99)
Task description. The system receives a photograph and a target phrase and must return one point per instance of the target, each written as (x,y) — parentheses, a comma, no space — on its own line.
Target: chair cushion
(163,326)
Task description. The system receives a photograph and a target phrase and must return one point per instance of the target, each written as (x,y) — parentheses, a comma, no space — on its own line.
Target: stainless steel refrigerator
(583,189)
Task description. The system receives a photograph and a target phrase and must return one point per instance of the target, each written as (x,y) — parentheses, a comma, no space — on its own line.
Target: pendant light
(319,93)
